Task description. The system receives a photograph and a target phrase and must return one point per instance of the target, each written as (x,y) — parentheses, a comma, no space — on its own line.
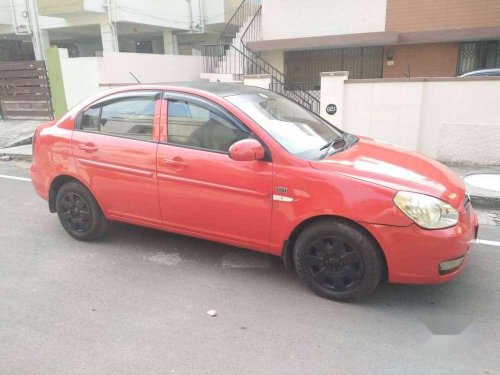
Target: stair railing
(227,58)
(245,10)
(279,82)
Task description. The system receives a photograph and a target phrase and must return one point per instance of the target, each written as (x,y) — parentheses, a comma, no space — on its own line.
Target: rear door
(114,144)
(201,188)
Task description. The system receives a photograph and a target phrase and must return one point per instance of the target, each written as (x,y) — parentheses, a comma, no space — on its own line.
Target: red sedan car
(247,167)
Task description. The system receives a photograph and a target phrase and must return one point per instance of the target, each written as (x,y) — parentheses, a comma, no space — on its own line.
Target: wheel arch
(288,245)
(56,184)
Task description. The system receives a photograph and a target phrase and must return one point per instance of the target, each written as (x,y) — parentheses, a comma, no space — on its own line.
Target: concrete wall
(452,120)
(148,68)
(294,18)
(219,11)
(56,7)
(213,11)
(276,58)
(85,76)
(386,111)
(6,13)
(461,121)
(80,78)
(171,13)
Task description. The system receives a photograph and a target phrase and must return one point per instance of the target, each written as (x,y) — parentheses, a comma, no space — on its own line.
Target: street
(137,302)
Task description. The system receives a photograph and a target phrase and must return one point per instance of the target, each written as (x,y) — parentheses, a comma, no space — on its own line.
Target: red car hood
(397,169)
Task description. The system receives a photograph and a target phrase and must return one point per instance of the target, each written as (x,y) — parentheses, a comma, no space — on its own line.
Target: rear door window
(132,118)
(129,115)
(90,119)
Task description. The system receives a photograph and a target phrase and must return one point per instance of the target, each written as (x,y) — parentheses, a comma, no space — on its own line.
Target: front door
(201,189)
(114,145)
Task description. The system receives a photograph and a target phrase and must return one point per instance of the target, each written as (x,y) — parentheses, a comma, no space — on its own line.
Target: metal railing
(247,9)
(304,98)
(230,55)
(311,87)
(253,29)
(279,82)
(227,59)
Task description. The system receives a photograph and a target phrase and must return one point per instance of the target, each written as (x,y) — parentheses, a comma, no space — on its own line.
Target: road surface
(136,302)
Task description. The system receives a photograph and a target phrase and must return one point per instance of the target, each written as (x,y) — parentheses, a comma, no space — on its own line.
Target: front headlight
(426,211)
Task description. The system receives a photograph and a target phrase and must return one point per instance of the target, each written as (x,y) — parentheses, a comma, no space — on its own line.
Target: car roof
(219,89)
(200,88)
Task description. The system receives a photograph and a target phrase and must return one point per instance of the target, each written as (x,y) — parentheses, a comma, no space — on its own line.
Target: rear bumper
(39,180)
(414,254)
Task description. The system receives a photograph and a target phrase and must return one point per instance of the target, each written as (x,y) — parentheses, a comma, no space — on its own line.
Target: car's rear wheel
(79,212)
(337,260)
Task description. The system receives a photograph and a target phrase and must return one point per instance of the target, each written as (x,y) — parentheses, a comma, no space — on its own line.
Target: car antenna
(132,74)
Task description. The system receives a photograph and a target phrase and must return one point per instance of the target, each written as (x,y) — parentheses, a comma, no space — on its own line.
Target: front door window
(195,126)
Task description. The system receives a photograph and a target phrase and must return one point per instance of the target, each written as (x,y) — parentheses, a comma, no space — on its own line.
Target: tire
(79,212)
(337,260)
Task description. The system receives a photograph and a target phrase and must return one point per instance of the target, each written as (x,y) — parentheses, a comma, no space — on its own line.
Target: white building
(85,27)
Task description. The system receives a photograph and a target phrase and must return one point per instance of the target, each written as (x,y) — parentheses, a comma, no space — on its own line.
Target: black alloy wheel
(335,264)
(75,212)
(338,259)
(79,212)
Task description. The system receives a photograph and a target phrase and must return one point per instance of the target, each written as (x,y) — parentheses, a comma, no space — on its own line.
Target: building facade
(379,38)
(86,27)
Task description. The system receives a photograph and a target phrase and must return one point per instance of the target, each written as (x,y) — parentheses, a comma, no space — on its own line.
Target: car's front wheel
(79,212)
(337,260)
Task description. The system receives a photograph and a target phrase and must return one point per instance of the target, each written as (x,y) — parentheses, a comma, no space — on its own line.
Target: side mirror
(247,150)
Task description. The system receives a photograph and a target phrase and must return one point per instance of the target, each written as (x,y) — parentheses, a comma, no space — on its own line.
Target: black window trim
(218,110)
(127,95)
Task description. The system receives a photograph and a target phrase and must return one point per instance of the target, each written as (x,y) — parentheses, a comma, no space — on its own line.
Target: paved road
(136,302)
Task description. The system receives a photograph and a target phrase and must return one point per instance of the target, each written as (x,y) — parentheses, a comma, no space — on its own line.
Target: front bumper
(414,254)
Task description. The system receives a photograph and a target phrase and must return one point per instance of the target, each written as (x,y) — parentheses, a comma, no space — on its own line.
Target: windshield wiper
(328,146)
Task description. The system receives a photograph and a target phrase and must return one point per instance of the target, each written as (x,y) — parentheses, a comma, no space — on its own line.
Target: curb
(481,197)
(22,142)
(485,202)
(14,153)
(17,157)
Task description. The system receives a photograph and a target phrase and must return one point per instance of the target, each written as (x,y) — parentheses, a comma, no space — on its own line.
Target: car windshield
(299,131)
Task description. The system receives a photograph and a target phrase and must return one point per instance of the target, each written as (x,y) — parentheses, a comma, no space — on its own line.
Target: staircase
(229,59)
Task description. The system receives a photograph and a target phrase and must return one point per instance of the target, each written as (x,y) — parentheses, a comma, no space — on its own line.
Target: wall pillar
(332,96)
(44,39)
(36,32)
(258,80)
(109,38)
(170,43)
(157,46)
(56,83)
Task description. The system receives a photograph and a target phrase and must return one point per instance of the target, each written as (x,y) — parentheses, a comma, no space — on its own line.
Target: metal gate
(24,90)
(305,66)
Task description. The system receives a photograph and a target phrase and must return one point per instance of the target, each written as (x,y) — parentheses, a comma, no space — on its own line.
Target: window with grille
(478,55)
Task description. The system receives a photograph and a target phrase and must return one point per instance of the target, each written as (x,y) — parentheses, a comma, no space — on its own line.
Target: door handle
(89,147)
(176,161)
